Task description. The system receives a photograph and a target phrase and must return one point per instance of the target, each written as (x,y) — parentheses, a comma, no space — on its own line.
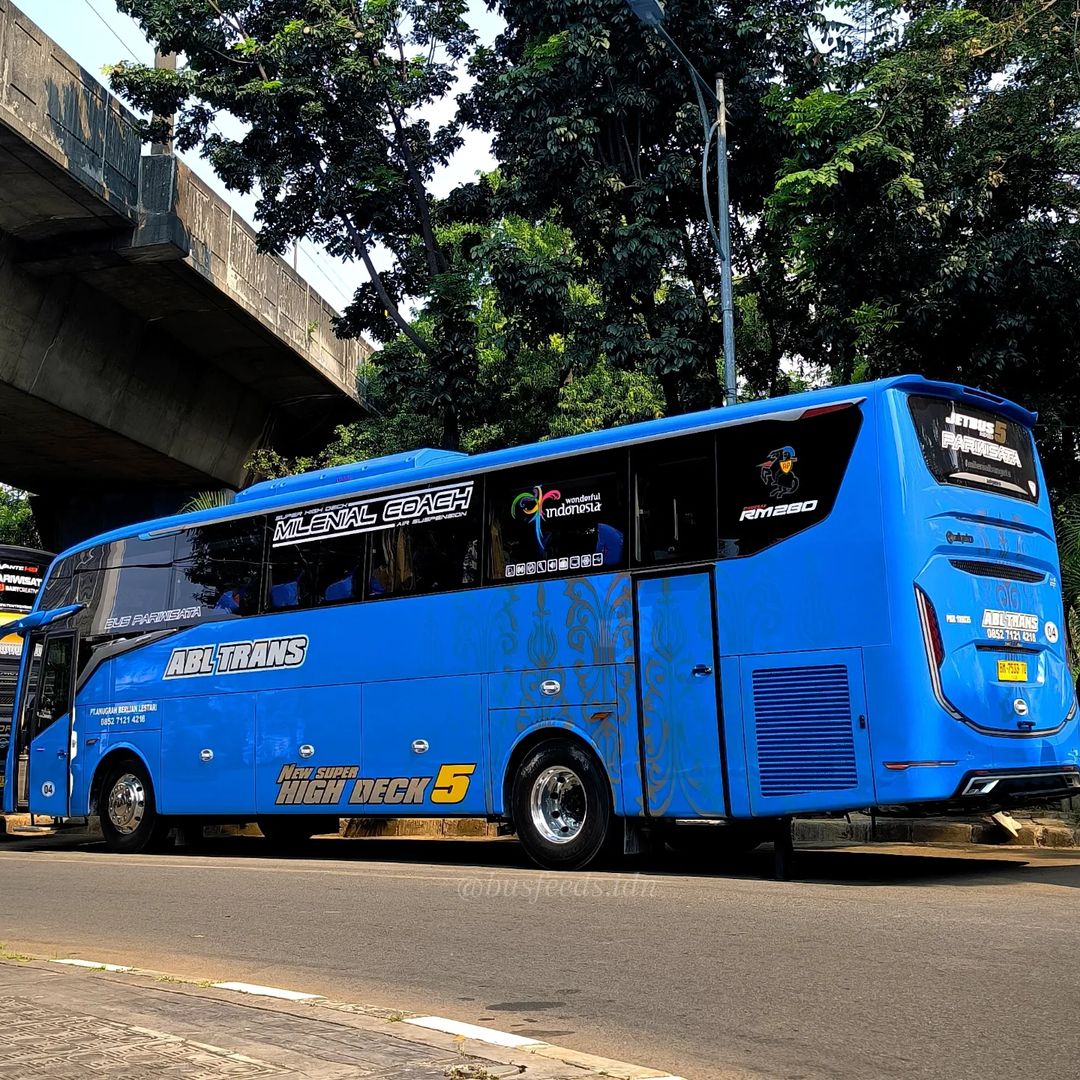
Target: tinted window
(675,500)
(777,477)
(218,572)
(390,544)
(428,557)
(317,573)
(133,590)
(60,588)
(973,447)
(557,517)
(125,586)
(54,687)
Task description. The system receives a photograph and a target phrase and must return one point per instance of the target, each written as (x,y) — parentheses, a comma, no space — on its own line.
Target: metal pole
(653,15)
(726,300)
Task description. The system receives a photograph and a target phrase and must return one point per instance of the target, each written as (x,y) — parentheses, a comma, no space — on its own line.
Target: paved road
(873,964)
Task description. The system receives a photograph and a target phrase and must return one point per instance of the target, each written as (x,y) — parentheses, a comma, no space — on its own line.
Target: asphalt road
(872,964)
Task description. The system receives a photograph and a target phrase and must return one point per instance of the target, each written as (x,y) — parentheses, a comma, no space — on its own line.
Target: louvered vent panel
(998,570)
(805,740)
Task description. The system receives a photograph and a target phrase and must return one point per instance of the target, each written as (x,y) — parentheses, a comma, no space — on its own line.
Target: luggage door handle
(700,670)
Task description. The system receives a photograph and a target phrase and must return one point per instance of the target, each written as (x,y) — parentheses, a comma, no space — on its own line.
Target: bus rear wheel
(129,819)
(561,805)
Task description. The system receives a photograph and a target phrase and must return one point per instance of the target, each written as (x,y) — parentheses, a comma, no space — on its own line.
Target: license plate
(1012,670)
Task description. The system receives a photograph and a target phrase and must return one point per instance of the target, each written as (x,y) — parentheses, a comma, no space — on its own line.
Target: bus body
(22,570)
(843,599)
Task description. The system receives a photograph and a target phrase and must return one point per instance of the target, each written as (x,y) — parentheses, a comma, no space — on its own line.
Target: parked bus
(22,570)
(843,599)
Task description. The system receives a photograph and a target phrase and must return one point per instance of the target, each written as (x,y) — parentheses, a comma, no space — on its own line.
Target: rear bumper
(1012,787)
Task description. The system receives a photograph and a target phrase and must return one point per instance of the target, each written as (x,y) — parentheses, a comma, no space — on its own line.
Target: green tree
(1067,521)
(17,519)
(332,95)
(927,218)
(595,125)
(538,374)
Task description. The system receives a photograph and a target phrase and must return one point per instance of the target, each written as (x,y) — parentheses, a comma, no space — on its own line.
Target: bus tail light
(935,651)
(931,627)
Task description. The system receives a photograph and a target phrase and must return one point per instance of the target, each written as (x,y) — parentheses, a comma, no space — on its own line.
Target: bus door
(47,716)
(678,715)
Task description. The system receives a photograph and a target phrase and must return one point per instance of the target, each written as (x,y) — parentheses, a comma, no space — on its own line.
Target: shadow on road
(895,865)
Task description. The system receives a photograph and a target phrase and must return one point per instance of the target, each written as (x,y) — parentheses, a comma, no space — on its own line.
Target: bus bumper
(1015,787)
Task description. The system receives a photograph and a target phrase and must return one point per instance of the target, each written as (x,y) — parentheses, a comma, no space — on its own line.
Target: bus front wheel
(562,806)
(127,810)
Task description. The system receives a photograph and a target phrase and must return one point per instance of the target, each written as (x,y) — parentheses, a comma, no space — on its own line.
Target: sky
(97,35)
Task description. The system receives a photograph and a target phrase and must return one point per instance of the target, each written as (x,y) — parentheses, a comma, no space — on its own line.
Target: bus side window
(317,573)
(436,556)
(559,517)
(219,569)
(54,692)
(779,477)
(675,500)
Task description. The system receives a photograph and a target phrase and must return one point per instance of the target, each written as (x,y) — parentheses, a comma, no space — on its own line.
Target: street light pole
(727,303)
(651,13)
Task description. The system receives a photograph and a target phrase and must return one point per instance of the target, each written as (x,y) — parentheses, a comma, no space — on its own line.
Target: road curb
(459,1032)
(863,829)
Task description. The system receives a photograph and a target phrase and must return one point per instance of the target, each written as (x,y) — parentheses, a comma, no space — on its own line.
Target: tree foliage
(595,123)
(17,519)
(928,214)
(1068,537)
(333,97)
(903,181)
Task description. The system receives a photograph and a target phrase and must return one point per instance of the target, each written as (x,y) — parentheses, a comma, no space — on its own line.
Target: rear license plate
(1012,670)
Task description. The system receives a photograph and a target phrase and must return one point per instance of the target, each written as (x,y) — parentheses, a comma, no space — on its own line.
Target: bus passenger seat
(230,601)
(339,590)
(285,595)
(609,542)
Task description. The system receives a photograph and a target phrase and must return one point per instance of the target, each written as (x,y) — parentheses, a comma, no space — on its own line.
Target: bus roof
(418,466)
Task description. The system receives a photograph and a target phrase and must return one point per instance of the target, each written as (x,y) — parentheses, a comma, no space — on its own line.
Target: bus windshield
(973,447)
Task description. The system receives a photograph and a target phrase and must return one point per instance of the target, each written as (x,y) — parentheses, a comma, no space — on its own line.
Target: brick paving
(77,1024)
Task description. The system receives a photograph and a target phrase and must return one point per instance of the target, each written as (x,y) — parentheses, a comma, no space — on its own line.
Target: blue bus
(842,599)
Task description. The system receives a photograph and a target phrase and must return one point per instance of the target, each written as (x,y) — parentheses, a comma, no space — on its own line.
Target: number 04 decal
(452,783)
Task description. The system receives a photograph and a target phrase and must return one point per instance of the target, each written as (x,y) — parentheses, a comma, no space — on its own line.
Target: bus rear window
(973,447)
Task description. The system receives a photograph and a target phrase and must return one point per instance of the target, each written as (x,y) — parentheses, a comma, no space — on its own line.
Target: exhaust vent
(805,731)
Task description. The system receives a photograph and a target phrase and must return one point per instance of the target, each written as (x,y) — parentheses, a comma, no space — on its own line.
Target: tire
(127,810)
(286,832)
(561,805)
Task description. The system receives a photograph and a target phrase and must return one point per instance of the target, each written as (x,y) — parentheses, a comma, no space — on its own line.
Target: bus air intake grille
(998,570)
(805,735)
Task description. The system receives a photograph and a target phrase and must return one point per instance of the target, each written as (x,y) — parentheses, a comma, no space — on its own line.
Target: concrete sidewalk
(61,1022)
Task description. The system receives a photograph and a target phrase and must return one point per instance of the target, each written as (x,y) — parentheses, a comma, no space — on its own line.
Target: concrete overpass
(146,346)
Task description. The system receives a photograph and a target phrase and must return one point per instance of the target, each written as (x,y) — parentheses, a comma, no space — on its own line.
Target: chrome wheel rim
(557,805)
(127,804)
